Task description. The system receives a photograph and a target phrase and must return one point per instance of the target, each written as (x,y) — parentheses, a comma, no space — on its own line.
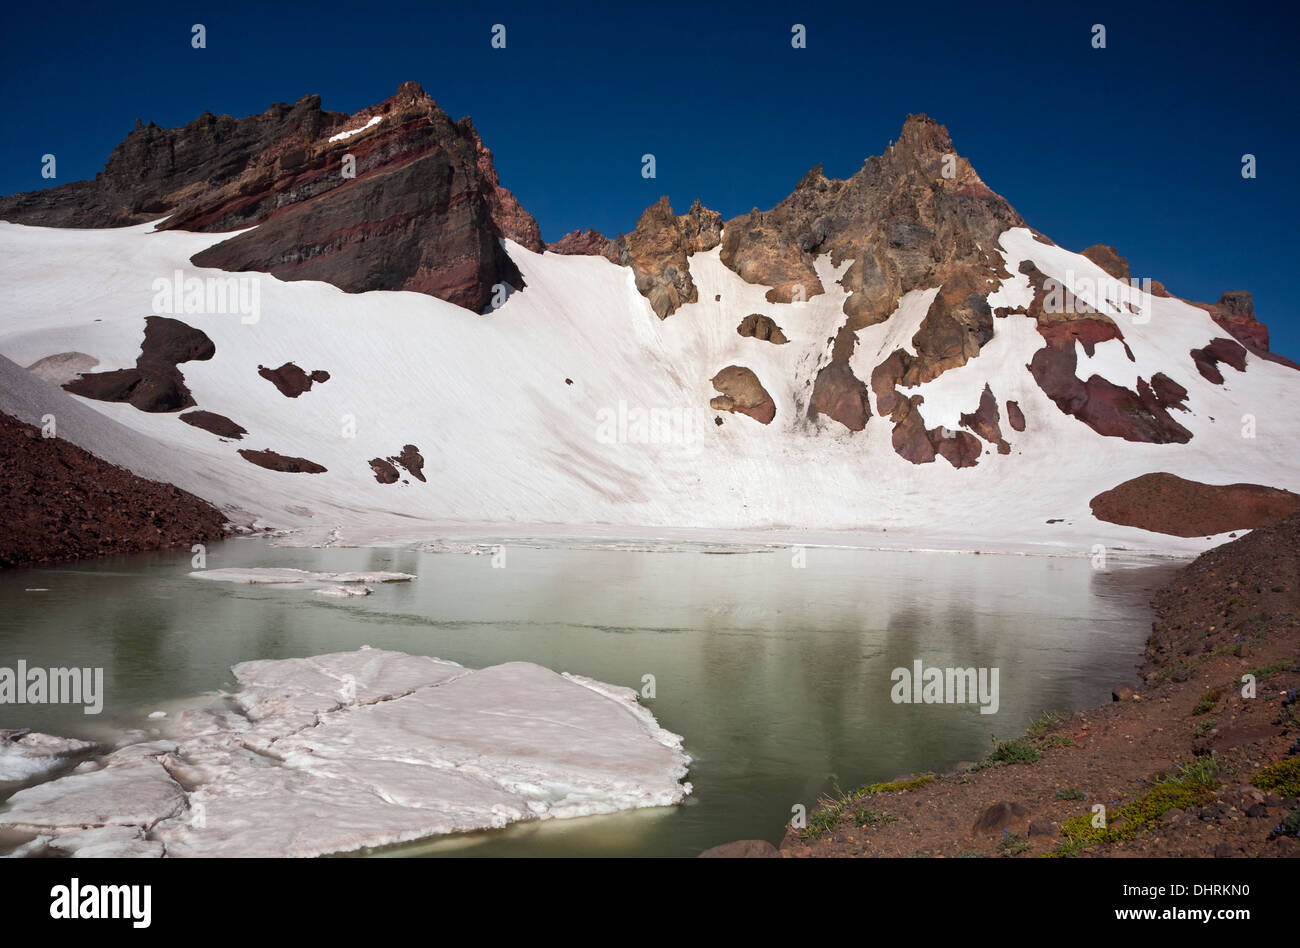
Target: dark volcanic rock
(1015,417)
(1168,393)
(1207,359)
(984,421)
(219,425)
(1165,503)
(384,470)
(1235,313)
(412,460)
(758,326)
(958,448)
(424,212)
(155,384)
(279,462)
(291,380)
(742,392)
(1105,407)
(59,502)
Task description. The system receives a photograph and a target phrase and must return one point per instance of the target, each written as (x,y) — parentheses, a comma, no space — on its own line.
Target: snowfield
(360,749)
(512,449)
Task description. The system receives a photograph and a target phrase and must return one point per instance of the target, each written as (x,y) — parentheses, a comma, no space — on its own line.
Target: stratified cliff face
(395,197)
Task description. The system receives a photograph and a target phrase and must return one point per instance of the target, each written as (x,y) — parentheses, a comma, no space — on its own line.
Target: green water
(778,677)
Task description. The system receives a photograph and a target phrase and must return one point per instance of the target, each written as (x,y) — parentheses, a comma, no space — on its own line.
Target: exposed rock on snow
(360,749)
(291,380)
(758,326)
(657,250)
(155,384)
(219,425)
(743,392)
(274,461)
(1165,503)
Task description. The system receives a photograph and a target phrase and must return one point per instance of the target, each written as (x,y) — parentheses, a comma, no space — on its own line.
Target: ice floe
(25,755)
(360,749)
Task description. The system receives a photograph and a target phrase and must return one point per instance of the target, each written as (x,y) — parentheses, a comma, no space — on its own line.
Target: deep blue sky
(1138,145)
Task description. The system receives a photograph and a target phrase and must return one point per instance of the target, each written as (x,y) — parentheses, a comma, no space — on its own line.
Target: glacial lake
(779,678)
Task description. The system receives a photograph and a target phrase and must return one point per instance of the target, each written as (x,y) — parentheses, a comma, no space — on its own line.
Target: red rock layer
(1166,503)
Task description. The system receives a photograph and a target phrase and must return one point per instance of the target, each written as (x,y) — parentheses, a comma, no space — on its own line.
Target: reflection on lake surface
(778,677)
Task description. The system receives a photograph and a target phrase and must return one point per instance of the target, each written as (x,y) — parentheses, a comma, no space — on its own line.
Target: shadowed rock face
(742,392)
(657,250)
(155,384)
(1166,503)
(424,212)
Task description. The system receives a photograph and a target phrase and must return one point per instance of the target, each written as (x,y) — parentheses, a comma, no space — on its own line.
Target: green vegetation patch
(1189,786)
(1282,778)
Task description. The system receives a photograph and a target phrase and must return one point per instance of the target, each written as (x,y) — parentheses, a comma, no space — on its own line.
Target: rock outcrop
(581,243)
(742,392)
(657,250)
(1166,503)
(395,197)
(758,326)
(907,219)
(155,384)
(291,380)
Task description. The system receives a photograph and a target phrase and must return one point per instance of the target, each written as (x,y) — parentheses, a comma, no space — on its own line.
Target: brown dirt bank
(1188,766)
(58,502)
(1166,503)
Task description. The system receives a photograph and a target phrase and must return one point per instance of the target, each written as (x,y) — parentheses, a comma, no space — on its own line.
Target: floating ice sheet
(361,749)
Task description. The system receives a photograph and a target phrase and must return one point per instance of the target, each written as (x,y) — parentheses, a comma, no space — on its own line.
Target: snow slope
(511,448)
